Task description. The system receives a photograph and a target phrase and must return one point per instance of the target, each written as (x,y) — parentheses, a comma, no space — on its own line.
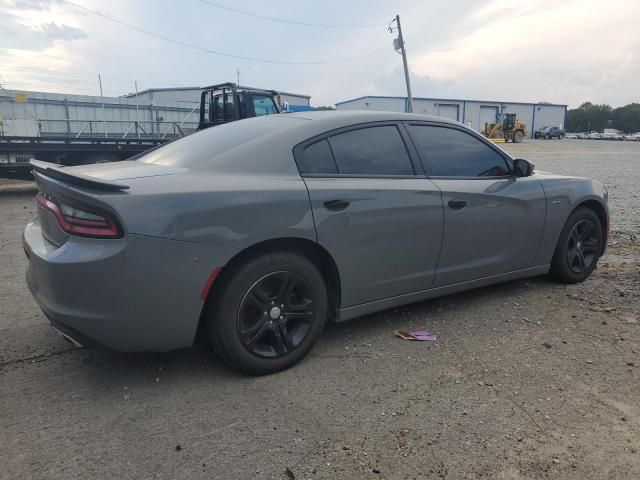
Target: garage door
(487,114)
(448,111)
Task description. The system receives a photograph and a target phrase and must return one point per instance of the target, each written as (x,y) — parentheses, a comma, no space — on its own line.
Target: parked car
(549,132)
(632,137)
(254,233)
(582,135)
(612,136)
(571,135)
(594,136)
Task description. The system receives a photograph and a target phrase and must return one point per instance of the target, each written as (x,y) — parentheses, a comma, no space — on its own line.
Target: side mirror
(522,167)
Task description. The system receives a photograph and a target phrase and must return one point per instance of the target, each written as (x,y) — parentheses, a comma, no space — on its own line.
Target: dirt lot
(487,400)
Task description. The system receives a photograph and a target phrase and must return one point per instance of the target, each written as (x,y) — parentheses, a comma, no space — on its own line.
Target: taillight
(82,221)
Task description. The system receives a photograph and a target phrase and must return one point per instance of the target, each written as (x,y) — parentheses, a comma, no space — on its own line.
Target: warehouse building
(191,95)
(473,113)
(35,114)
(151,113)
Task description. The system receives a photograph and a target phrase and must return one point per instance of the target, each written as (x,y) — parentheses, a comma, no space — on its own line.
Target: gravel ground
(528,379)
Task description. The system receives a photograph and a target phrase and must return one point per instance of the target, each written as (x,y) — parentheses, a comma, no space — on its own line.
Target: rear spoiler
(58,172)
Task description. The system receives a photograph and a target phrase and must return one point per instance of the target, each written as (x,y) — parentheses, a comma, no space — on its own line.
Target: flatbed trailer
(16,152)
(77,142)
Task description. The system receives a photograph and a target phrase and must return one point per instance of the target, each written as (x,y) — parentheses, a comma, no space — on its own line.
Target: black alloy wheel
(583,246)
(579,247)
(266,312)
(276,314)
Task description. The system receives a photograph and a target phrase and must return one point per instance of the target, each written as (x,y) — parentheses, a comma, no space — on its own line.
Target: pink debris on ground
(419,335)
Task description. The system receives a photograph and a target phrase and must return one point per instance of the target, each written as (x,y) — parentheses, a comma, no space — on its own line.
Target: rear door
(449,111)
(374,210)
(493,221)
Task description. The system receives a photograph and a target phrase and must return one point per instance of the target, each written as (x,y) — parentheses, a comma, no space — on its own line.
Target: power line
(85,76)
(291,22)
(214,52)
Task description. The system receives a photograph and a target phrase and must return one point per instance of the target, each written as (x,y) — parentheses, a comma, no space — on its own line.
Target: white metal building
(152,112)
(471,112)
(27,113)
(191,95)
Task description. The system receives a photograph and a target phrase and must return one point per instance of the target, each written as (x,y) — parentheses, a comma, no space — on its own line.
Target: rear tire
(268,313)
(579,247)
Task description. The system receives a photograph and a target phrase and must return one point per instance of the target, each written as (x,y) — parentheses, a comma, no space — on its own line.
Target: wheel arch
(600,210)
(313,251)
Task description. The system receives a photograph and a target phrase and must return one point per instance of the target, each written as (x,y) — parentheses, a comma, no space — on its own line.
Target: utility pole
(398,43)
(104,120)
(238,75)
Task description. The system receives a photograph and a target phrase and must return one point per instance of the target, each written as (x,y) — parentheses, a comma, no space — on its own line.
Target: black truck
(222,103)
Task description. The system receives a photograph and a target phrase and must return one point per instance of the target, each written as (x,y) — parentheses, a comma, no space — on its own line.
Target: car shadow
(433,308)
(106,369)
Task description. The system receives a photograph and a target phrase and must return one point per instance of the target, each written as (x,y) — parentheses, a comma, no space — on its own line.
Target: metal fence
(114,129)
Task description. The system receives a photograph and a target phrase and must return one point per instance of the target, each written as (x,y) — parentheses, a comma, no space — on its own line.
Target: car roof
(265,143)
(362,116)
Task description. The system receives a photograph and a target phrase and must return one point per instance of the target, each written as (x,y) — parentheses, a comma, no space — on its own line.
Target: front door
(380,221)
(493,221)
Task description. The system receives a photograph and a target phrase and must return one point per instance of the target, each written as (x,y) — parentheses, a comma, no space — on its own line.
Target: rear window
(204,146)
(371,151)
(319,159)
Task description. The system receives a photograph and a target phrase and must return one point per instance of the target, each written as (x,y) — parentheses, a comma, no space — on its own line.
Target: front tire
(518,136)
(579,247)
(268,313)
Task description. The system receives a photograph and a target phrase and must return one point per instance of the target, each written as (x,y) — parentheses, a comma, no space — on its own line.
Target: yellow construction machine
(505,128)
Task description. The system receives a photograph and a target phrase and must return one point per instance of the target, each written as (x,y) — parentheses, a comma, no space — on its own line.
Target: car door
(375,211)
(493,220)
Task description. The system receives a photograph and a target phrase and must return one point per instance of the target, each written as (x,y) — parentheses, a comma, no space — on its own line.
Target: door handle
(456,204)
(336,205)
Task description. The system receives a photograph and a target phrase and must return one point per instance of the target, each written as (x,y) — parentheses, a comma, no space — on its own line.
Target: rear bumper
(136,293)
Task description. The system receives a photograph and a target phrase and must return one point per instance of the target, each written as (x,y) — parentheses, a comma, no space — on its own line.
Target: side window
(318,159)
(229,110)
(454,153)
(371,151)
(222,108)
(263,105)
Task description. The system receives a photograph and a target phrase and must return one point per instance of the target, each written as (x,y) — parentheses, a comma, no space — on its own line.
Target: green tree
(627,118)
(588,117)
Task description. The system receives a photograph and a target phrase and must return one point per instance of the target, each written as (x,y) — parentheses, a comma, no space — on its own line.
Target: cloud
(421,85)
(55,31)
(565,54)
(568,52)
(29,4)
(19,34)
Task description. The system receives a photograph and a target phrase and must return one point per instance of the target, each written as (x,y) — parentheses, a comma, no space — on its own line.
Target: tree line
(592,117)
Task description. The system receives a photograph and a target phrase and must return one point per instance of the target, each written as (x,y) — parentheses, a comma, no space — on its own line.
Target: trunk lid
(87,187)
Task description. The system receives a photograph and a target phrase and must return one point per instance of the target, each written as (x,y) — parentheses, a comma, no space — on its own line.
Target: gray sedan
(253,234)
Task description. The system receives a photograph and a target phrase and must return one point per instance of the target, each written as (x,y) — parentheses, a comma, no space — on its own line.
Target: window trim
(425,161)
(416,165)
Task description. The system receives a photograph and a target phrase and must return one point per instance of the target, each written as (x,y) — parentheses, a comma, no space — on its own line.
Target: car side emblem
(556,202)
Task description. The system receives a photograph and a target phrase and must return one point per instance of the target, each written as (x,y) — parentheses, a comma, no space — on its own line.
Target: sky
(564,52)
